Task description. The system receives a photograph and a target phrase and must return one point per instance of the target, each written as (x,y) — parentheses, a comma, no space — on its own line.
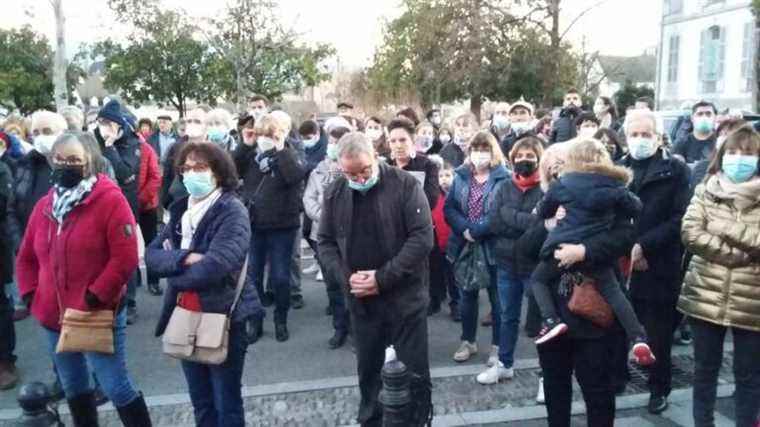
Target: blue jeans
(469,310)
(277,246)
(111,369)
(216,390)
(511,287)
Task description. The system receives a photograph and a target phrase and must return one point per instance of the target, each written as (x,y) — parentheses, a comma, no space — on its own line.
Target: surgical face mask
(67,176)
(436,120)
(311,142)
(588,132)
(332,152)
(445,138)
(739,168)
(265,144)
(44,143)
(194,130)
(199,184)
(520,127)
(642,148)
(704,125)
(216,134)
(374,134)
(368,184)
(500,121)
(480,159)
(257,114)
(424,143)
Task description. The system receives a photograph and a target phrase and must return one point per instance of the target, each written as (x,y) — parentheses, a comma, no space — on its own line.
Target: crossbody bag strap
(240,283)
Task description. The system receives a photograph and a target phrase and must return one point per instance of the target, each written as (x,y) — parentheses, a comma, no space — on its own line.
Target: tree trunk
(476,102)
(552,76)
(59,64)
(756,86)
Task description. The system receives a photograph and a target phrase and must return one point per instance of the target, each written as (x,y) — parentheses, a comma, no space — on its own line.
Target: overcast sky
(354,27)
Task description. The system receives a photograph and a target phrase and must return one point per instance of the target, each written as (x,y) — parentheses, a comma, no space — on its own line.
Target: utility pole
(59,62)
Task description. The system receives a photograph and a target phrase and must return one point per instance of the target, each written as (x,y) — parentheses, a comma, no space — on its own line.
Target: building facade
(707,51)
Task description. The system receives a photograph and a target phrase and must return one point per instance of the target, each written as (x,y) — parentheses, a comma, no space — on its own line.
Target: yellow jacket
(722,284)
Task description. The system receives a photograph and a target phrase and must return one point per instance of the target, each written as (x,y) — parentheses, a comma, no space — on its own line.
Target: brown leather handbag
(86,331)
(588,303)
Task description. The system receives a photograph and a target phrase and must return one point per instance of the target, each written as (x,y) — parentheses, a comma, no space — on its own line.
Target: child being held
(593,193)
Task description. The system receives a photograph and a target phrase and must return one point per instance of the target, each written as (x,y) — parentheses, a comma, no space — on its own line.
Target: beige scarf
(743,195)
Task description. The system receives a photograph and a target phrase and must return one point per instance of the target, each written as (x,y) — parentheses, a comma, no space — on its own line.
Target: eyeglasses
(198,167)
(68,161)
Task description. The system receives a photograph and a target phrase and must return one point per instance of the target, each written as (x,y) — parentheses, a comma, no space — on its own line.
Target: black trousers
(438,279)
(7,329)
(660,320)
(375,328)
(591,362)
(149,228)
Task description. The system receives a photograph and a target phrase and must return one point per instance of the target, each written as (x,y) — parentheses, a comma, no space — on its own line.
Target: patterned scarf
(66,199)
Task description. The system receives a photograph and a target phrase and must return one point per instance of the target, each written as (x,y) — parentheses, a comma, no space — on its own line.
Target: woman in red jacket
(78,252)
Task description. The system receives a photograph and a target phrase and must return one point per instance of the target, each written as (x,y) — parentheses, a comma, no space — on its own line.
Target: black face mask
(68,176)
(525,168)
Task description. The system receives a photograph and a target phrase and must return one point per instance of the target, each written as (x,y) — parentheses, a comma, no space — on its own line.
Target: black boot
(338,340)
(281,332)
(135,413)
(84,413)
(155,289)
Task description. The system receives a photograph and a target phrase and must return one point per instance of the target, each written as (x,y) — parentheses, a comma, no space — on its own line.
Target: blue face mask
(704,125)
(367,185)
(309,143)
(215,135)
(332,151)
(739,168)
(199,184)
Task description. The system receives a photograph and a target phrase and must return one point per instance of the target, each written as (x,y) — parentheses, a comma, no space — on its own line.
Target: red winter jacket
(95,250)
(149,179)
(442,229)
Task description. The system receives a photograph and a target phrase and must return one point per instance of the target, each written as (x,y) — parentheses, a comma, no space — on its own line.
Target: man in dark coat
(8,372)
(564,128)
(698,144)
(374,238)
(661,181)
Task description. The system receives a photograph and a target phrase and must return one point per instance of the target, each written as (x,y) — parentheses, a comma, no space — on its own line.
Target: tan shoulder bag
(201,337)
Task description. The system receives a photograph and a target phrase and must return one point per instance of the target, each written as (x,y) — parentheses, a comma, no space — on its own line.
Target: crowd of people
(619,237)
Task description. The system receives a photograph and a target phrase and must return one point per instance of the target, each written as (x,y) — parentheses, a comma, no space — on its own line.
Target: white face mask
(374,134)
(44,143)
(480,159)
(521,127)
(599,110)
(436,121)
(500,121)
(445,138)
(194,130)
(642,148)
(265,144)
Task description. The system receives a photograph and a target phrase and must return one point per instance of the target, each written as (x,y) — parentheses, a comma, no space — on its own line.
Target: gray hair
(74,117)
(354,144)
(96,163)
(644,114)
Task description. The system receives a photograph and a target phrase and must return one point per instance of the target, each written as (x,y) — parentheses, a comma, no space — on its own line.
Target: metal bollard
(35,399)
(395,394)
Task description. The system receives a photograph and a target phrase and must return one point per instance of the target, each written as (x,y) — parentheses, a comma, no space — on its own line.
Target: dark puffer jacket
(275,194)
(124,156)
(564,127)
(510,217)
(223,238)
(32,183)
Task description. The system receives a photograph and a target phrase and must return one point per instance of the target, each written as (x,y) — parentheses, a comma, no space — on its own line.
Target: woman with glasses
(79,251)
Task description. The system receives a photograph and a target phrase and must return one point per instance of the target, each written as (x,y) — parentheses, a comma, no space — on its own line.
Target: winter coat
(507,142)
(316,154)
(453,155)
(601,249)
(275,195)
(124,156)
(456,211)
(155,142)
(95,250)
(421,163)
(592,200)
(722,284)
(149,179)
(664,193)
(6,240)
(32,183)
(440,226)
(405,219)
(321,177)
(693,150)
(172,188)
(223,237)
(564,128)
(511,216)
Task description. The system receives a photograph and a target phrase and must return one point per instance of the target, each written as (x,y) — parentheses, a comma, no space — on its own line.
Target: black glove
(28,299)
(254,328)
(91,300)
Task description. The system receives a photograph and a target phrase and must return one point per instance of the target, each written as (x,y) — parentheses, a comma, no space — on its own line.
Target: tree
(627,95)
(264,57)
(59,62)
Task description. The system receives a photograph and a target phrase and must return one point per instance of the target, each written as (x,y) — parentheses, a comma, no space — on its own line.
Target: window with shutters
(712,52)
(748,57)
(673,47)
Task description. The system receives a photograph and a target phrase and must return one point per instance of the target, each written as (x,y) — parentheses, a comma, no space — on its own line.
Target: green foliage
(446,50)
(627,95)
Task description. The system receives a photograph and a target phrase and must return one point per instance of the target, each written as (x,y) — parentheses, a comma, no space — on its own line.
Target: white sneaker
(540,395)
(493,358)
(495,373)
(465,351)
(320,277)
(311,269)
